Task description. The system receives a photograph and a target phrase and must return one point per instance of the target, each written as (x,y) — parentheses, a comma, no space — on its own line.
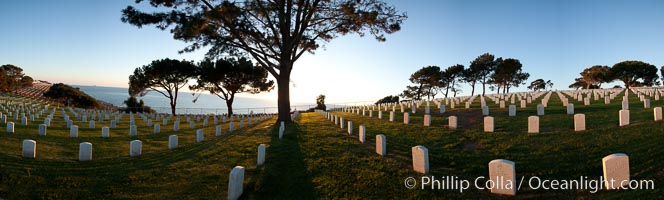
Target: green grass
(317,159)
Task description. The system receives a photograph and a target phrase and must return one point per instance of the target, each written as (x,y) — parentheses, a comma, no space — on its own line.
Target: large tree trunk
(283,102)
(229,105)
(172,107)
(472,91)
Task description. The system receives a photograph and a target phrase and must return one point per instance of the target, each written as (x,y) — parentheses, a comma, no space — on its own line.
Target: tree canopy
(537,85)
(14,76)
(481,70)
(165,74)
(635,73)
(509,74)
(596,75)
(274,33)
(227,77)
(427,80)
(320,102)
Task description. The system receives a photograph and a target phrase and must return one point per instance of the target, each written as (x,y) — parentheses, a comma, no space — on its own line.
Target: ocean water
(205,104)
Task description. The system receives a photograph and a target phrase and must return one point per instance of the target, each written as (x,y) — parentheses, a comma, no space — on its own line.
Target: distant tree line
(631,73)
(497,73)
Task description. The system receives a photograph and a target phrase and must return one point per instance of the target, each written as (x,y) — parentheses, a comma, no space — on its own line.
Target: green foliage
(388,99)
(70,95)
(227,77)
(634,73)
(165,74)
(274,33)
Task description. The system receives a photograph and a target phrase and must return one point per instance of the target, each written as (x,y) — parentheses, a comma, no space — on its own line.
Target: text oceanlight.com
(534,182)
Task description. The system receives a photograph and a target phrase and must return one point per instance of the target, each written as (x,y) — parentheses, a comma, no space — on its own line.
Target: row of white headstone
(616,166)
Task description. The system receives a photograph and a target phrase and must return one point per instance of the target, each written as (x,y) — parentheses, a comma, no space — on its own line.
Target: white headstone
(342,123)
(350,127)
(392,116)
(380,145)
(540,109)
(235,183)
(47,121)
(176,125)
(10,127)
(503,176)
(156,129)
(533,124)
(73,131)
(85,151)
(362,134)
(512,111)
(570,109)
(625,105)
(135,147)
(579,122)
(191,124)
(91,124)
(218,130)
(616,170)
(452,122)
(200,136)
(646,103)
(420,159)
(172,141)
(488,124)
(658,113)
(132,130)
(261,155)
(427,120)
(442,108)
(406,118)
(29,149)
(42,129)
(485,110)
(624,117)
(104,132)
(231,127)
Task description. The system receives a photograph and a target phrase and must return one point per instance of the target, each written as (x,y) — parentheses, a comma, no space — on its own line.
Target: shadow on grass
(284,174)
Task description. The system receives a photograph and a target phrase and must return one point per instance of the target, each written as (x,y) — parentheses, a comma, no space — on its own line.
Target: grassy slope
(318,159)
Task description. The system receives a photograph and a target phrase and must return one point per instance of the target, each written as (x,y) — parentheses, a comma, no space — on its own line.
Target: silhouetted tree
(470,77)
(537,85)
(549,84)
(274,33)
(413,92)
(320,102)
(227,77)
(450,77)
(428,80)
(630,72)
(169,75)
(483,67)
(509,74)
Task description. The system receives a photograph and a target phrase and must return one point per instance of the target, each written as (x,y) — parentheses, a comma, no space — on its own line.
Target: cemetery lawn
(317,159)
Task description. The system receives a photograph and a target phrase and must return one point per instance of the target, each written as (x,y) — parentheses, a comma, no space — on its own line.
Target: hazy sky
(84,42)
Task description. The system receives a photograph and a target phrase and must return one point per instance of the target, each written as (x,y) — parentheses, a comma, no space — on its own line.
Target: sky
(83,42)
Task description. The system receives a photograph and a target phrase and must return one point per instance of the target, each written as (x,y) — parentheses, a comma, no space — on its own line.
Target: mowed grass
(317,159)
